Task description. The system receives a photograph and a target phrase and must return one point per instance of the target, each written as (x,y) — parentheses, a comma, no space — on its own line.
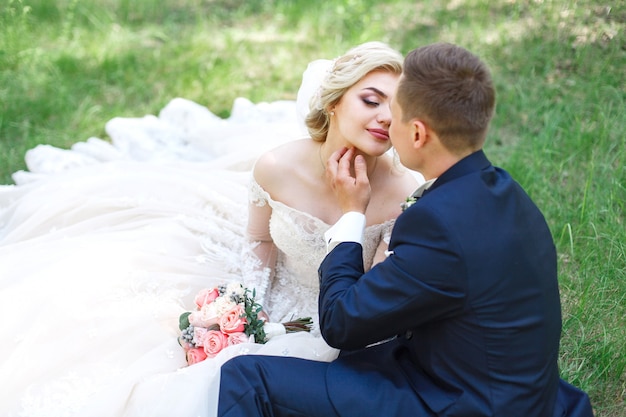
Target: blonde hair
(346,71)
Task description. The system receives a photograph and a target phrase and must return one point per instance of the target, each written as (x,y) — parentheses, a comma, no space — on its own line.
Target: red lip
(379,133)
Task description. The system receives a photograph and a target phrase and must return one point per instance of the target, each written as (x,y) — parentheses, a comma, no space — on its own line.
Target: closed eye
(371,103)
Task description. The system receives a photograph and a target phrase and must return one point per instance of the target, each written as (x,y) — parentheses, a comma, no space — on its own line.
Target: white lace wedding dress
(103,246)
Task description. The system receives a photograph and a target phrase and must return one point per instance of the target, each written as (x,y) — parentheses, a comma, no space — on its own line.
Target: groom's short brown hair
(450,89)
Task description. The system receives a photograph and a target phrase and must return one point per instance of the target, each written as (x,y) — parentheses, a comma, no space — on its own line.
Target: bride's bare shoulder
(283,161)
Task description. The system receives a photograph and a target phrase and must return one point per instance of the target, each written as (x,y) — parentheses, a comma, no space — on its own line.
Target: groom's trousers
(264,386)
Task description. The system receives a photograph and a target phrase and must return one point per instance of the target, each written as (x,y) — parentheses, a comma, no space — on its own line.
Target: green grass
(67,67)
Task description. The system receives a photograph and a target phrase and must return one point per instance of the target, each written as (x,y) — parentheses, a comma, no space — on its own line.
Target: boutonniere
(408,202)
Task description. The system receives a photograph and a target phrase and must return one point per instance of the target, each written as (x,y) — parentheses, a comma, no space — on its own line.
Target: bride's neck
(326,149)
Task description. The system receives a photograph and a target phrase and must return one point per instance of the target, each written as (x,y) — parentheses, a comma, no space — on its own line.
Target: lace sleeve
(385,236)
(259,213)
(386,232)
(258,232)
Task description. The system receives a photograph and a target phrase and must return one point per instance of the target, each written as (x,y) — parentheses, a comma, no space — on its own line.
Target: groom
(463,317)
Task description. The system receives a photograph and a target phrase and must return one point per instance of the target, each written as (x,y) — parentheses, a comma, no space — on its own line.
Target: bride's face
(363,116)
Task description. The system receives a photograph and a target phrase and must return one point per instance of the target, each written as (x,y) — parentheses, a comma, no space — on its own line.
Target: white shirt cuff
(349,228)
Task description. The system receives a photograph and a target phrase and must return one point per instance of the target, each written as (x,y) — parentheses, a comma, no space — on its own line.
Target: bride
(103,246)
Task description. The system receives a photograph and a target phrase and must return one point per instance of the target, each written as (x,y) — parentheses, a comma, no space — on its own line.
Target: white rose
(222,305)
(234,288)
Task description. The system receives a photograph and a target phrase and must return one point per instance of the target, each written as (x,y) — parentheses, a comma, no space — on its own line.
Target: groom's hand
(351,190)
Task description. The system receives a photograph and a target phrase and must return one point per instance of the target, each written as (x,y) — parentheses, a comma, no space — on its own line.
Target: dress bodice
(299,237)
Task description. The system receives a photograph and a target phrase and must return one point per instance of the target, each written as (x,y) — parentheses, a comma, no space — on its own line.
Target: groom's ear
(420,133)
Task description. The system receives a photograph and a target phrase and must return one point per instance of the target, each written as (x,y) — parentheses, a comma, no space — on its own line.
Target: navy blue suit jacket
(468,302)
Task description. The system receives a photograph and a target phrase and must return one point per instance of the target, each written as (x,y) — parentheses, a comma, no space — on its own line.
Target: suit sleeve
(422,281)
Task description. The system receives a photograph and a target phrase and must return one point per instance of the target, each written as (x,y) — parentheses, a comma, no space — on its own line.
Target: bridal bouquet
(228,315)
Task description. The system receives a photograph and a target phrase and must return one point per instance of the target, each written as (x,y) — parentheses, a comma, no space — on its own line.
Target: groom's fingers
(332,164)
(349,181)
(343,170)
(360,196)
(360,170)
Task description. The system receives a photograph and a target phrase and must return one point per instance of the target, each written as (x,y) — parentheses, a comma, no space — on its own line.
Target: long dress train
(103,246)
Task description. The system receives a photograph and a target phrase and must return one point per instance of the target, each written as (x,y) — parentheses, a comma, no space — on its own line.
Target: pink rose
(239,337)
(206,296)
(198,336)
(233,320)
(184,344)
(214,342)
(205,317)
(195,355)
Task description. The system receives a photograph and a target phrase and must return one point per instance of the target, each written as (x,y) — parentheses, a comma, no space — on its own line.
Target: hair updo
(346,71)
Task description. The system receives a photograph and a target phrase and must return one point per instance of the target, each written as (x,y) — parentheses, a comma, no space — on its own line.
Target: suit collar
(423,188)
(476,161)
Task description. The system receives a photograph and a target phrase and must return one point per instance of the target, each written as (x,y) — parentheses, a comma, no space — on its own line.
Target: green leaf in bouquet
(183,320)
